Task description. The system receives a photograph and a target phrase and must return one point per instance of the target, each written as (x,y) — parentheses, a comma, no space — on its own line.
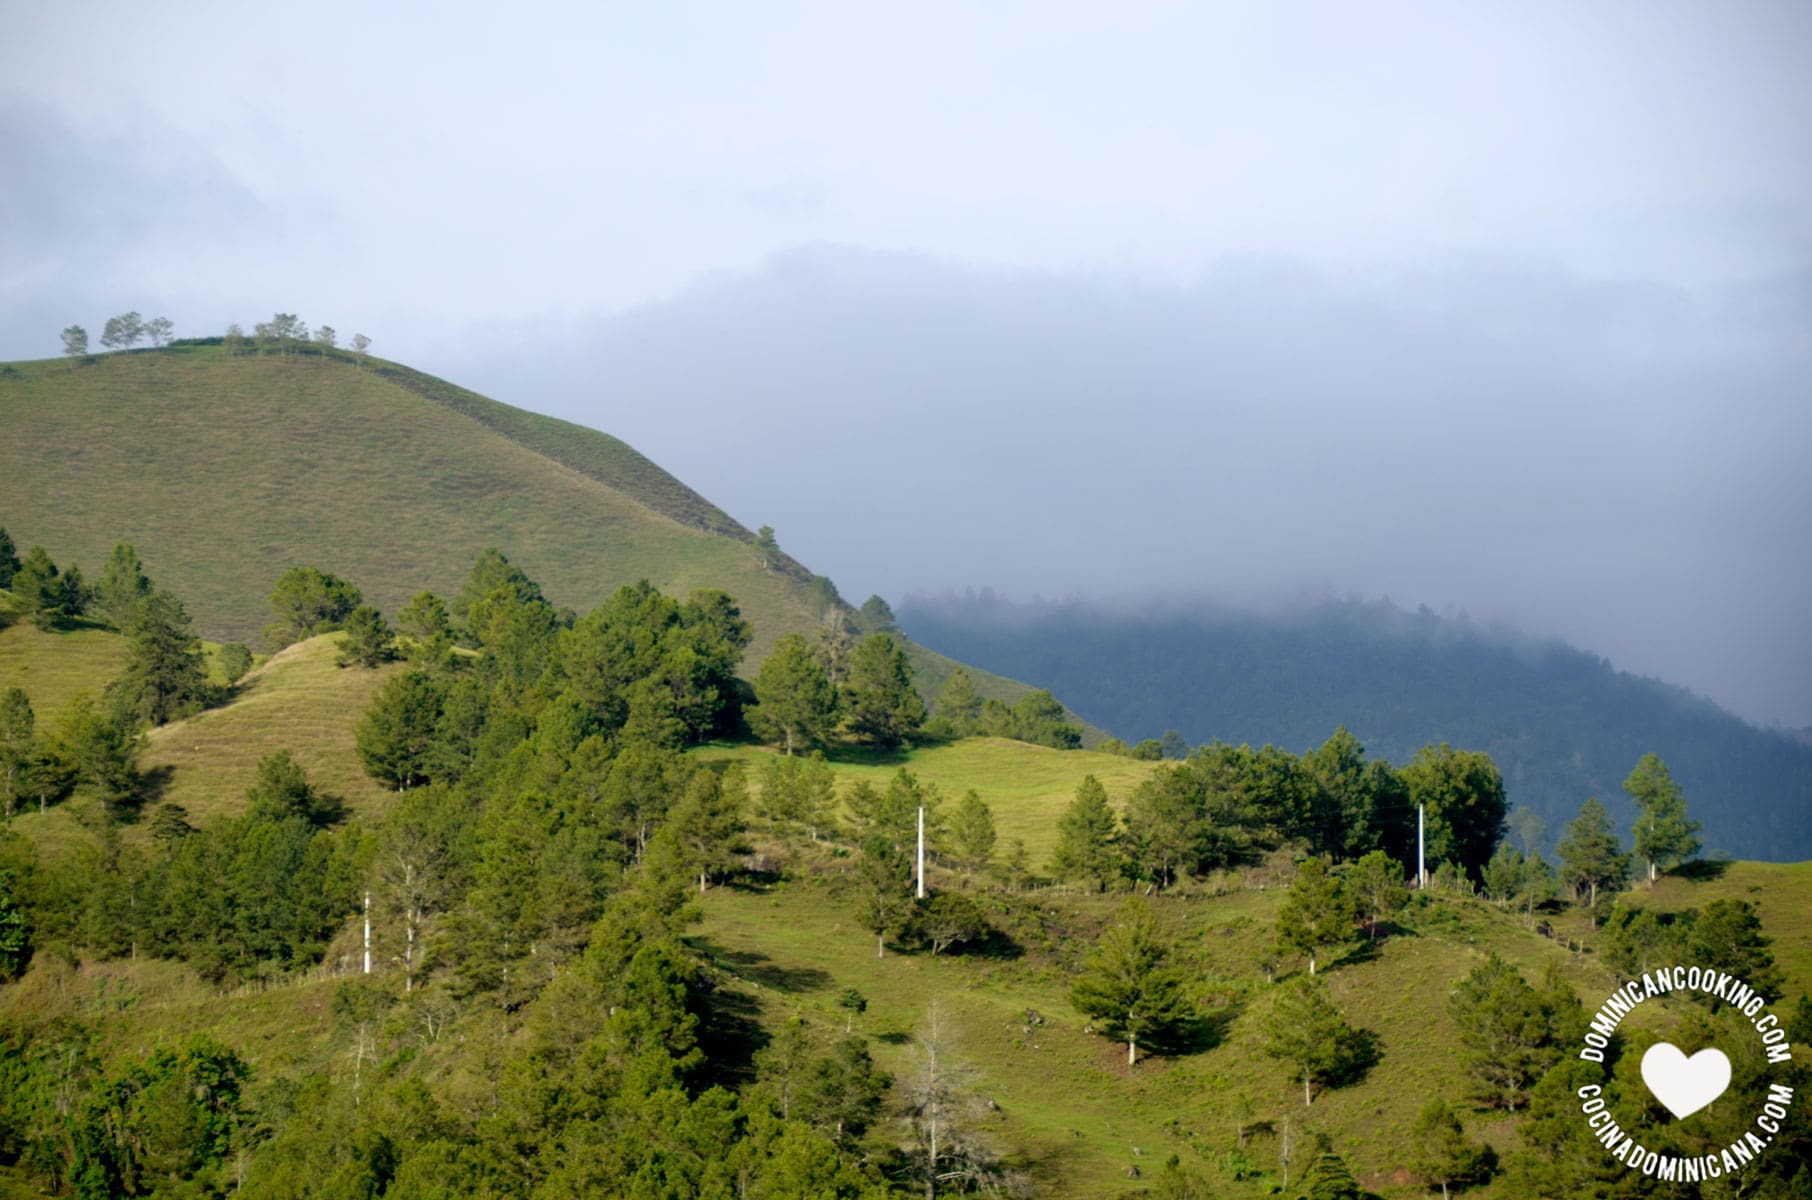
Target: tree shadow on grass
(730,1035)
(1701,870)
(1200,1033)
(759,969)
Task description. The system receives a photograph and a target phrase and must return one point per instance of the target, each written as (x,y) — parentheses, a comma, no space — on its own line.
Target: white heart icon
(1685,1085)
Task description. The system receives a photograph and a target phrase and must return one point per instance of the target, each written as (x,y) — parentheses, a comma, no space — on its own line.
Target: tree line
(285,334)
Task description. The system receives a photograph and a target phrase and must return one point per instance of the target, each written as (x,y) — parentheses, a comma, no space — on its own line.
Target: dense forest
(1562,724)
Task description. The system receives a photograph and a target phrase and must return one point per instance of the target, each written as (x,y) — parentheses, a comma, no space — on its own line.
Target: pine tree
(1329,1178)
(282,791)
(795,703)
(1727,936)
(369,642)
(1306,1030)
(1440,1152)
(1506,1028)
(883,891)
(972,833)
(18,748)
(166,676)
(1591,856)
(958,706)
(1318,912)
(396,738)
(879,702)
(1088,844)
(1664,836)
(9,560)
(1377,882)
(122,586)
(1125,986)
(708,821)
(15,932)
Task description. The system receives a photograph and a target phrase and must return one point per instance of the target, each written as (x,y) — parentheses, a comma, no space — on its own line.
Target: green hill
(226,470)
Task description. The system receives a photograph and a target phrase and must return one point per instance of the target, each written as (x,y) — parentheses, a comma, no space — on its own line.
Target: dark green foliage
(177,1114)
(1088,840)
(15,931)
(98,749)
(50,595)
(122,586)
(840,1093)
(235,661)
(170,824)
(880,705)
(396,739)
(767,547)
(1442,1153)
(658,670)
(1318,912)
(18,749)
(166,676)
(972,833)
(308,602)
(1146,750)
(1128,989)
(1306,1030)
(282,791)
(1727,936)
(1462,795)
(957,710)
(1377,885)
(875,616)
(1591,858)
(1330,1179)
(248,894)
(369,641)
(1037,717)
(1511,1034)
(9,560)
(795,703)
(1664,836)
(709,823)
(946,920)
(798,793)
(883,891)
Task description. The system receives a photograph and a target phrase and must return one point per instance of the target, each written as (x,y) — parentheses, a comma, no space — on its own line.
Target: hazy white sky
(1559,237)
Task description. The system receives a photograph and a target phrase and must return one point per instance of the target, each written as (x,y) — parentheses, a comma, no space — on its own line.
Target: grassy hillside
(54,668)
(1026,786)
(226,471)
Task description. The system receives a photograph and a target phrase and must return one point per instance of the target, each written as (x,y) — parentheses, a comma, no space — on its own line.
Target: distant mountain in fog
(1563,724)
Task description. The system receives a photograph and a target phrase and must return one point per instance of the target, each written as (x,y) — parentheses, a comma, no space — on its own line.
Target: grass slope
(1027,787)
(226,471)
(54,668)
(299,701)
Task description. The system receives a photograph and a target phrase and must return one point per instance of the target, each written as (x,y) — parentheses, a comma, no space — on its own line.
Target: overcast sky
(1498,306)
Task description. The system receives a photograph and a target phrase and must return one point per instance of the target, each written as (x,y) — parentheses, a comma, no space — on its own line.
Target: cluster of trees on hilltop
(284,333)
